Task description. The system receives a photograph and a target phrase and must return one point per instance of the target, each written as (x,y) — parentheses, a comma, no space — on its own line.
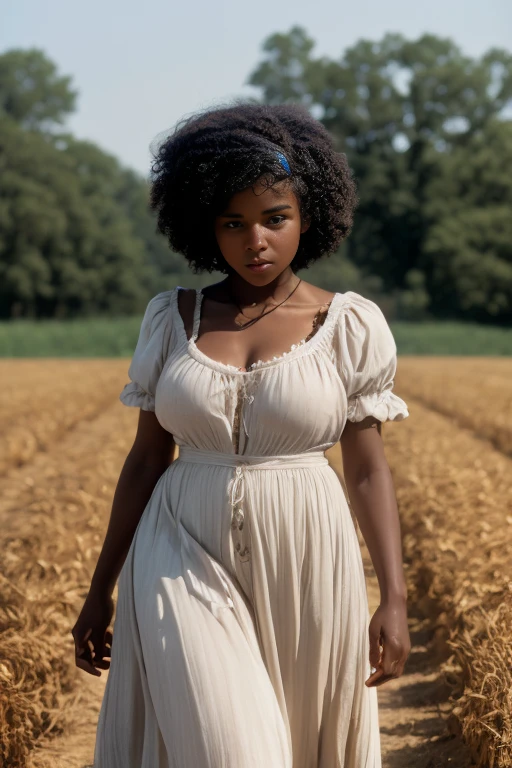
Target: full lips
(259,267)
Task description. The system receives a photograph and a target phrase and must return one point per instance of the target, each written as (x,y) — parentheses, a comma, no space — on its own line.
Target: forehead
(261,195)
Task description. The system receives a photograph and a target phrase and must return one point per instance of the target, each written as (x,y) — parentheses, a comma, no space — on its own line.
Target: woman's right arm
(150,455)
(152,452)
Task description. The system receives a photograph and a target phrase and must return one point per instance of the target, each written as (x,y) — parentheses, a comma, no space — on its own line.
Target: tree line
(427,130)
(76,234)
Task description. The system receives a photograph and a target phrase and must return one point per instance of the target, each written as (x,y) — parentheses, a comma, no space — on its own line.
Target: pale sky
(141,66)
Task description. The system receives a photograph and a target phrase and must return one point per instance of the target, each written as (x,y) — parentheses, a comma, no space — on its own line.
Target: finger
(376,674)
(99,647)
(375,650)
(82,647)
(382,680)
(83,656)
(108,643)
(107,651)
(87,667)
(392,655)
(101,663)
(396,668)
(80,637)
(379,676)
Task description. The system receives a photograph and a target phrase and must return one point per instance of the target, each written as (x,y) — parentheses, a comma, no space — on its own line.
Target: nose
(256,240)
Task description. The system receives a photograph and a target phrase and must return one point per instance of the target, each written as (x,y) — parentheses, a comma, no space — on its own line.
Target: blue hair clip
(284,162)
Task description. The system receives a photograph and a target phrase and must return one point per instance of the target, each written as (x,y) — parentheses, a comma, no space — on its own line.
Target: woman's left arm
(372,497)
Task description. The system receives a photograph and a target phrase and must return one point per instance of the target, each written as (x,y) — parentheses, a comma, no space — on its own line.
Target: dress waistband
(236,487)
(195,455)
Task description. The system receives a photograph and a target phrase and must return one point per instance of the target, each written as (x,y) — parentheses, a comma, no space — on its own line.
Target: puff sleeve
(368,360)
(149,356)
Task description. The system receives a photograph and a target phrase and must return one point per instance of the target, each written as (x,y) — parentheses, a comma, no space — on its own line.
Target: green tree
(32,92)
(63,251)
(76,233)
(469,241)
(398,108)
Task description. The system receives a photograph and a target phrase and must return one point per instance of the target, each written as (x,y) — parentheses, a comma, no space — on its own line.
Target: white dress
(241,628)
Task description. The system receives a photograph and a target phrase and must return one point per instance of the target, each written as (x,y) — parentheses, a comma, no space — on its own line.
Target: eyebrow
(275,209)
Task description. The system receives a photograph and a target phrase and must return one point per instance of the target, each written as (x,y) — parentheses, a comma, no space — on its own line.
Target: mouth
(259,266)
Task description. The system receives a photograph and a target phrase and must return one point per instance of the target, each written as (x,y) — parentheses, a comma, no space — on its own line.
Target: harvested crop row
(455,500)
(474,392)
(56,509)
(53,517)
(43,399)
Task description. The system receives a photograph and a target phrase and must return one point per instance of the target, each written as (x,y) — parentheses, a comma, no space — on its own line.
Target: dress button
(238,519)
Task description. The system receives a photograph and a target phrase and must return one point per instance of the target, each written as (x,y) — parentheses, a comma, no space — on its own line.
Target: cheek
(227,246)
(292,233)
(287,234)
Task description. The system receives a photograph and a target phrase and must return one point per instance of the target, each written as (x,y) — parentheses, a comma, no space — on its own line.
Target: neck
(246,293)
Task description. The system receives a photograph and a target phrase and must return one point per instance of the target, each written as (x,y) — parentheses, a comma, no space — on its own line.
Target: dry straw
(455,500)
(66,452)
(454,497)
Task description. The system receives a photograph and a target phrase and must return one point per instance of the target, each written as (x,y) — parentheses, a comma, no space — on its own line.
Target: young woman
(242,636)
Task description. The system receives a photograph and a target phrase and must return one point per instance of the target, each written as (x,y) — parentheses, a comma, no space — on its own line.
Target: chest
(293,404)
(264,338)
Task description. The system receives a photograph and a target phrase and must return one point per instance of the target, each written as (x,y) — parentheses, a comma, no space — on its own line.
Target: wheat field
(65,437)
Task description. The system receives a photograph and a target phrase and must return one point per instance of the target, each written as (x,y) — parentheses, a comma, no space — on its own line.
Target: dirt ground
(413,709)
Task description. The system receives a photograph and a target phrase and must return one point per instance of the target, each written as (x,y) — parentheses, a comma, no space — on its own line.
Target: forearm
(374,503)
(134,488)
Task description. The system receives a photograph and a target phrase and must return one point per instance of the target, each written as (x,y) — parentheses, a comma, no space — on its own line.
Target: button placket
(242,390)
(237,493)
(247,399)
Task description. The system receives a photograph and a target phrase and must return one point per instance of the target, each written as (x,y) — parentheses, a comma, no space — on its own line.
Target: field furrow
(44,399)
(53,516)
(475,393)
(455,501)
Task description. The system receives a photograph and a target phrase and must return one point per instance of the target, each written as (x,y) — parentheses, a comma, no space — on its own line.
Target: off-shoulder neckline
(298,351)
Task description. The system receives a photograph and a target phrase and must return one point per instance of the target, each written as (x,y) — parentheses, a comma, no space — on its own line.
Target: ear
(305,225)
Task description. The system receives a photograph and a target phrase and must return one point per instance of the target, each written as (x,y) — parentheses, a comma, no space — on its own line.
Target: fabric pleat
(241,628)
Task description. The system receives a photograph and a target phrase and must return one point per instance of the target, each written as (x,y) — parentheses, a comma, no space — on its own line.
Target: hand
(91,629)
(390,643)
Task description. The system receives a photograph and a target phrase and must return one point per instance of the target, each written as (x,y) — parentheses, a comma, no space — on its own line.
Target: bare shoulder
(186,297)
(315,295)
(186,305)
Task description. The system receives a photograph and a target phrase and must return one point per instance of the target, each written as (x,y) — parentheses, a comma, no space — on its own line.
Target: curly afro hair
(216,153)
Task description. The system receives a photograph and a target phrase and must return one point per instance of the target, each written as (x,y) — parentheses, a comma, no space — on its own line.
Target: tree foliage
(76,234)
(32,92)
(408,114)
(425,129)
(468,246)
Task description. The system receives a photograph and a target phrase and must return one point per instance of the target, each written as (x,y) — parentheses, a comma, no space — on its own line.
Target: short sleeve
(150,353)
(368,361)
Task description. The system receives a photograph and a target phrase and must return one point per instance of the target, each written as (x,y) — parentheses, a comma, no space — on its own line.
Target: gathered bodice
(257,364)
(292,403)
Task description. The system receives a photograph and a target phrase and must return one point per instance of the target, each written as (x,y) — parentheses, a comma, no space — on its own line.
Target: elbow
(362,476)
